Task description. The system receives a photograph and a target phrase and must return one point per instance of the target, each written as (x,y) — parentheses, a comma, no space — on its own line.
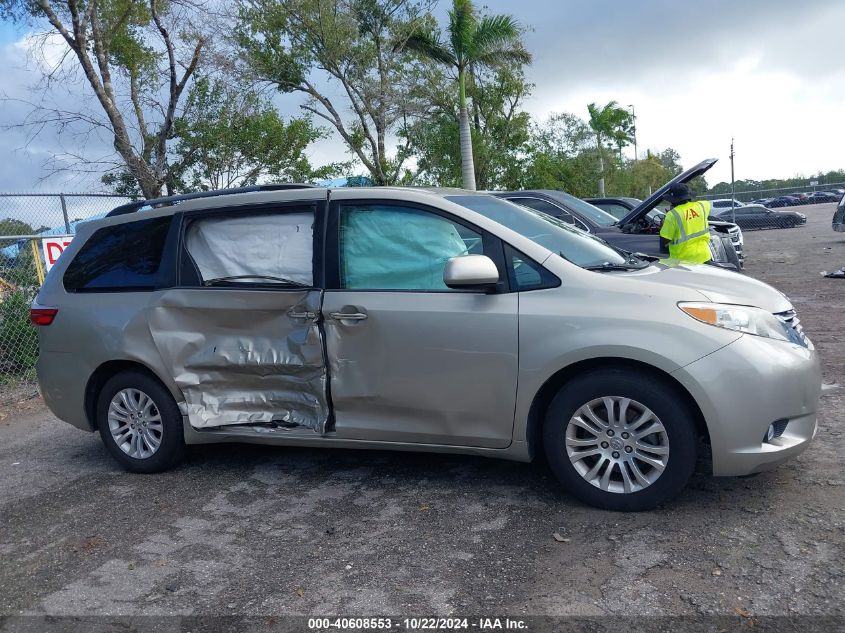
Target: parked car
(405,319)
(754,216)
(839,216)
(620,207)
(783,201)
(725,203)
(635,232)
(818,197)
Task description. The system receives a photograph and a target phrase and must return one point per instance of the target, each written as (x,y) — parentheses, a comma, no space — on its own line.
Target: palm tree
(473,42)
(610,124)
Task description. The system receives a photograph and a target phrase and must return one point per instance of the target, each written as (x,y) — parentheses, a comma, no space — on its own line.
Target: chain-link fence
(34,229)
(782,208)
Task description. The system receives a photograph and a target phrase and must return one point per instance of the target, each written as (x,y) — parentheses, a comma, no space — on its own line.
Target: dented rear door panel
(244,356)
(251,352)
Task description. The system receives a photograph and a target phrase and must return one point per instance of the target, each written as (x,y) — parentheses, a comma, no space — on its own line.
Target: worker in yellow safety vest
(685,230)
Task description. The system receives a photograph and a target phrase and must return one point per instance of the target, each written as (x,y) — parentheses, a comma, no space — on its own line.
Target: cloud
(46,51)
(30,155)
(594,41)
(766,72)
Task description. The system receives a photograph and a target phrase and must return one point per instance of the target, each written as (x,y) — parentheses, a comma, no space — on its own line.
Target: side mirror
(471,271)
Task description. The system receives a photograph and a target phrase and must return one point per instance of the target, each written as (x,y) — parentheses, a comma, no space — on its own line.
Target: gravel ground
(242,530)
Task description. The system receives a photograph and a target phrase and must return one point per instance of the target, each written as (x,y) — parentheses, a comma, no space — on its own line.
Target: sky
(768,73)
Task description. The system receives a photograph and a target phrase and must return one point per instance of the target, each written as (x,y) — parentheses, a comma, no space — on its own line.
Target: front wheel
(140,423)
(620,440)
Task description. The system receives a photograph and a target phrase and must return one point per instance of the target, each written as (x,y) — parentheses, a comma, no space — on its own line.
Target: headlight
(742,319)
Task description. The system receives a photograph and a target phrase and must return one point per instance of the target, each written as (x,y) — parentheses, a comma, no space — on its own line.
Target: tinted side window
(122,257)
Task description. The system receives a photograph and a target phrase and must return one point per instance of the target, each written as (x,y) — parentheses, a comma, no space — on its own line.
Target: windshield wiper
(276,280)
(645,257)
(608,266)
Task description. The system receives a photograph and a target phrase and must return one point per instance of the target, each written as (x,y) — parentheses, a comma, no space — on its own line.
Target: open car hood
(654,199)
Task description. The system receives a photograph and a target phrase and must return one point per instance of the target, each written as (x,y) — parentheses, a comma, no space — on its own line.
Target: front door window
(399,248)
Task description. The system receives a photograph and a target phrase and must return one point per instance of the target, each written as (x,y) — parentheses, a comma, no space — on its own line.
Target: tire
(678,440)
(161,421)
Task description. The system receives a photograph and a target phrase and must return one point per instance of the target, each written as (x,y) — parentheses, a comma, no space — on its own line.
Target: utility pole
(634,125)
(733,199)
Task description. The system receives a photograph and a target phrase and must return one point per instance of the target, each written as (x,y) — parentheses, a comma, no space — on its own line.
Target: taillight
(42,316)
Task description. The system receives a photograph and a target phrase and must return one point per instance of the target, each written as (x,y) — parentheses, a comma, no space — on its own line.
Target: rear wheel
(620,440)
(139,423)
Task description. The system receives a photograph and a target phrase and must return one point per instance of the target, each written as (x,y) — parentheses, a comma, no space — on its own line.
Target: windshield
(572,244)
(594,214)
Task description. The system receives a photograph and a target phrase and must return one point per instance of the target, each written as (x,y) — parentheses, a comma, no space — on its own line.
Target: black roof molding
(132,207)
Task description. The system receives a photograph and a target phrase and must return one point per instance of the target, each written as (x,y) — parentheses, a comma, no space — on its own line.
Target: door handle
(348,316)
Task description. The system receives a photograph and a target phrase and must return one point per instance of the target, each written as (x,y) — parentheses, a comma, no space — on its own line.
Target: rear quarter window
(122,257)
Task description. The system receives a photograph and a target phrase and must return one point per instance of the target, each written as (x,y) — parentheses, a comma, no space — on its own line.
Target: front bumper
(743,388)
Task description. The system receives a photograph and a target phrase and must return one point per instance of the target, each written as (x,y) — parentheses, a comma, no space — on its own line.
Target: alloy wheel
(135,423)
(617,444)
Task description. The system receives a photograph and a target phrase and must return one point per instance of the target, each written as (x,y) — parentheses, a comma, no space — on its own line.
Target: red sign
(53,248)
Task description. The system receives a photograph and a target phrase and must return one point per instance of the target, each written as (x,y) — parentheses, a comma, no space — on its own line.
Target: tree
(612,125)
(231,137)
(500,130)
(137,57)
(228,136)
(561,156)
(564,155)
(18,287)
(11,226)
(670,159)
(340,54)
(18,339)
(647,175)
(474,42)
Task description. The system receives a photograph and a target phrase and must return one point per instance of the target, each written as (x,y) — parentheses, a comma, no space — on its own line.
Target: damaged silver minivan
(407,319)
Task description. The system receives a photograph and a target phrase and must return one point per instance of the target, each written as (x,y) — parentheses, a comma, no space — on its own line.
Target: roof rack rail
(132,207)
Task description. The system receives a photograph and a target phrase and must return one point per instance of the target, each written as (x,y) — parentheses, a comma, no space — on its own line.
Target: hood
(718,285)
(712,222)
(654,199)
